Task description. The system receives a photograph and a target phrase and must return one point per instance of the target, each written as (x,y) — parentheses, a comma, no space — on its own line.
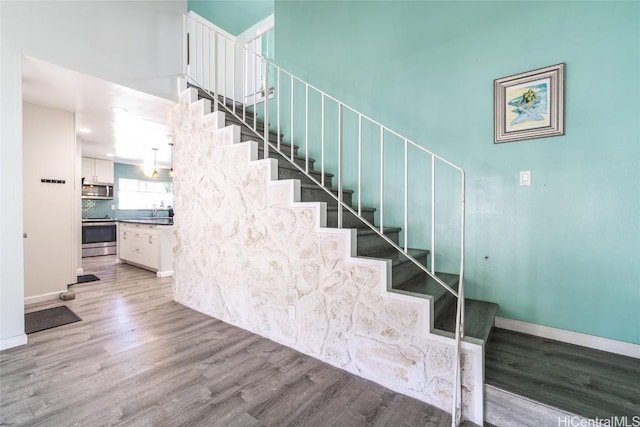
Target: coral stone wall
(247,250)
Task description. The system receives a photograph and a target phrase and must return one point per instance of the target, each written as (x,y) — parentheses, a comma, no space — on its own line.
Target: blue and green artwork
(528,105)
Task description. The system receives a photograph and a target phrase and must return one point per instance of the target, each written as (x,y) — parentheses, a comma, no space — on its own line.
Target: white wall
(134,44)
(50,220)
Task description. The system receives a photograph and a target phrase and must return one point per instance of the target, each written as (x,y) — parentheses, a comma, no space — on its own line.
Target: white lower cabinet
(147,246)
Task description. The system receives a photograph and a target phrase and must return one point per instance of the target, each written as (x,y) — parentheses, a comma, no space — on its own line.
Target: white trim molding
(44,297)
(167,273)
(256,30)
(210,24)
(584,340)
(11,342)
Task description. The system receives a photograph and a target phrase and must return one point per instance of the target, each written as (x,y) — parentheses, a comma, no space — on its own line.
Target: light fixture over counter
(155,173)
(171,173)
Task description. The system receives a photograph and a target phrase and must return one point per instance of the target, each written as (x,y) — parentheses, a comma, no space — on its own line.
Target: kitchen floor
(138,358)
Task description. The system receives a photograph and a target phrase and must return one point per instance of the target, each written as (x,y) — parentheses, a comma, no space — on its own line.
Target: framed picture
(529,105)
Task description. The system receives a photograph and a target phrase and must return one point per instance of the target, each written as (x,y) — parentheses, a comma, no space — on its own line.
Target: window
(139,194)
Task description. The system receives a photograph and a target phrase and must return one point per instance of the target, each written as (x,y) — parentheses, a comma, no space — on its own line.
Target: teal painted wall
(232,16)
(102,208)
(563,252)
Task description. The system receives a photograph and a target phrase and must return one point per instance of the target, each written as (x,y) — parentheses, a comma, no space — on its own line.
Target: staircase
(225,72)
(406,278)
(412,273)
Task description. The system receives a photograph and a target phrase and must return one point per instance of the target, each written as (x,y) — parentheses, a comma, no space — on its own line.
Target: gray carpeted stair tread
(425,285)
(288,165)
(299,158)
(385,230)
(332,189)
(479,318)
(364,209)
(397,257)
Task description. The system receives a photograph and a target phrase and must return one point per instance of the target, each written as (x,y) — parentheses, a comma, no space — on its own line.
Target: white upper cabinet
(97,170)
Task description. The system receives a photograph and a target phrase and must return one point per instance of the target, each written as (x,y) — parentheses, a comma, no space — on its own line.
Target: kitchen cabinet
(97,170)
(148,246)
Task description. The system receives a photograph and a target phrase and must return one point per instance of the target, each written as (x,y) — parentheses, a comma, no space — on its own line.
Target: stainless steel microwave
(97,191)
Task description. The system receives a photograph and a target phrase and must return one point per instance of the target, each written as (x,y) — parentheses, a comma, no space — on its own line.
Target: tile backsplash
(97,208)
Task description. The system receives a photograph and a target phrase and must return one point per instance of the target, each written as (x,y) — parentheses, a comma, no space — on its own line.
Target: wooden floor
(583,381)
(139,359)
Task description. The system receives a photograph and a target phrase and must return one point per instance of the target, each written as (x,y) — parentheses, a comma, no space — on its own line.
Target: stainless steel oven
(98,237)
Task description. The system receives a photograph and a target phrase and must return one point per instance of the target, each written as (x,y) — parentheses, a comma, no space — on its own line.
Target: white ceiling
(124,124)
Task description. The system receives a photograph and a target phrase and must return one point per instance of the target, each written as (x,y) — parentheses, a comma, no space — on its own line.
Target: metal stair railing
(220,67)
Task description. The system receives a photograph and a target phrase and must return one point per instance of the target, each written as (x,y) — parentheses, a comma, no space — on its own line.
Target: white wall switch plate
(525,178)
(292,312)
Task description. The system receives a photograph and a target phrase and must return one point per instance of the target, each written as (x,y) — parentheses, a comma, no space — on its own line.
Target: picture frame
(529,105)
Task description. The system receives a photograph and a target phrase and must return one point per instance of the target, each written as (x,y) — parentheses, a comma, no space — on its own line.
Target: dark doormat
(49,318)
(87,278)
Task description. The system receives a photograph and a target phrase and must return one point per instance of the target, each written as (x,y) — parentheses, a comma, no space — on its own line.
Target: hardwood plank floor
(139,359)
(583,381)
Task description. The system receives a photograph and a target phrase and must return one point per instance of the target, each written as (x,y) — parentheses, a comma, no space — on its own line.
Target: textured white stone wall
(246,250)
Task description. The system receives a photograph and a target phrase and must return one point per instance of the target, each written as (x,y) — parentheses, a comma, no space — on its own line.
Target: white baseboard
(584,340)
(44,297)
(506,409)
(11,342)
(167,273)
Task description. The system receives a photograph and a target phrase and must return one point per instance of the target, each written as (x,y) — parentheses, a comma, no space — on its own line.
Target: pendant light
(155,173)
(171,173)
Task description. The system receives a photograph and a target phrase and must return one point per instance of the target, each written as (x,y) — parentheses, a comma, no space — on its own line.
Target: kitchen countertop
(149,221)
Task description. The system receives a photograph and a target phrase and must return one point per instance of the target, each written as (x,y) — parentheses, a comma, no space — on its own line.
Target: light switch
(525,178)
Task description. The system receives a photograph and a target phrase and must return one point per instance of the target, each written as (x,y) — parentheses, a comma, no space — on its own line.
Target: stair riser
(370,244)
(319,195)
(349,220)
(248,124)
(248,133)
(289,173)
(248,120)
(445,303)
(275,155)
(407,270)
(285,148)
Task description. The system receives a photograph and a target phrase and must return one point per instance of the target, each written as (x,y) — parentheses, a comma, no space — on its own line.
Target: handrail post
(462,247)
(278,107)
(406,196)
(359,164)
(244,84)
(216,67)
(340,146)
(292,103)
(224,95)
(266,109)
(256,82)
(381,180)
(322,140)
(306,129)
(433,215)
